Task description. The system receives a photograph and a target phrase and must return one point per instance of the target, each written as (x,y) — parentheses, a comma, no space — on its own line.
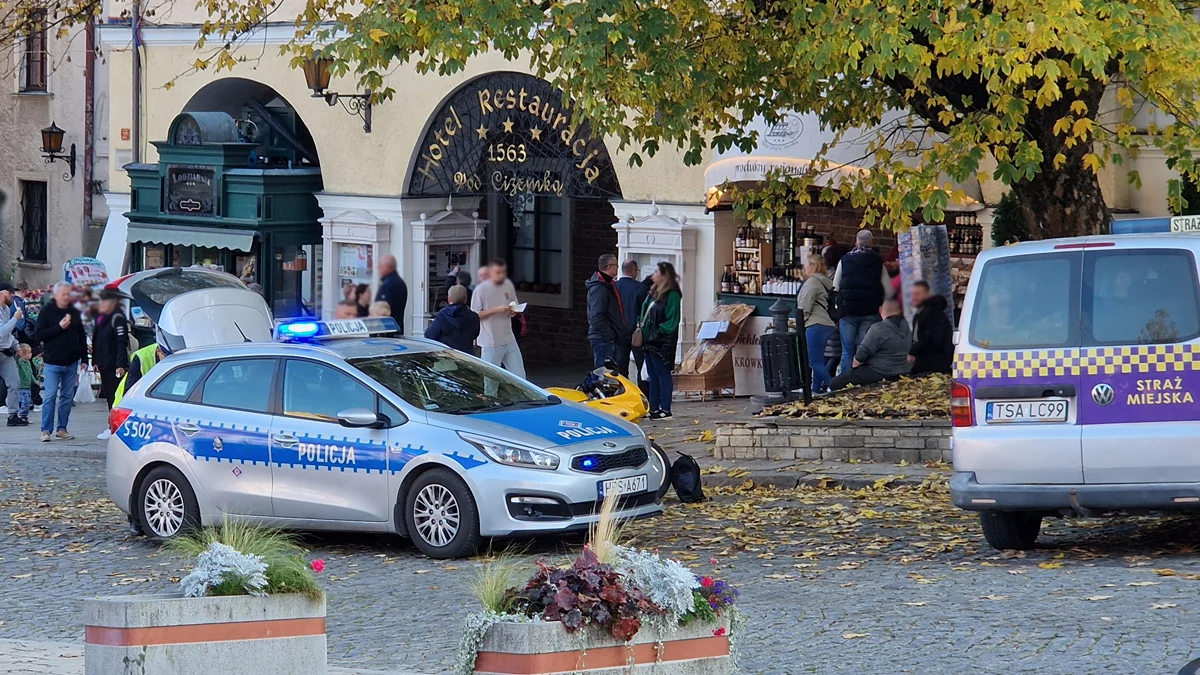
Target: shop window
(537,240)
(33,56)
(34,237)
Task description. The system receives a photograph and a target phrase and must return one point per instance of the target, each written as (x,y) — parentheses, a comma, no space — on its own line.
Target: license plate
(621,486)
(1026,412)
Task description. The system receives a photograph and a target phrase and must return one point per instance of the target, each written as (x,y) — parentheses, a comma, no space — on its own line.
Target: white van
(1076,377)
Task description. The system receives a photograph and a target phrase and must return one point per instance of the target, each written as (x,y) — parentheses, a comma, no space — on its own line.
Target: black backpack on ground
(685,477)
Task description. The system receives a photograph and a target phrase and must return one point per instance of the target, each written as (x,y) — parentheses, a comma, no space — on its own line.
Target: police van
(341,426)
(1076,375)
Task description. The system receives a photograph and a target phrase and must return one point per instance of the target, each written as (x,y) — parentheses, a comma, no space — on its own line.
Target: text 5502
(135,429)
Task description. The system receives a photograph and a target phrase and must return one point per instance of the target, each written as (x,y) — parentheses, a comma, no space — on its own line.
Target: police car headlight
(513,455)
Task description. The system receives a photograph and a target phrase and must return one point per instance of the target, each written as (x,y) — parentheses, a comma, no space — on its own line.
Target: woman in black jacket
(110,344)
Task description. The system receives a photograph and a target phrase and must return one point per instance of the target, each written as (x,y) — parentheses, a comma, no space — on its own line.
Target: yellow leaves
(707,435)
(200,64)
(1082,127)
(377,35)
(994,598)
(1079,107)
(855,636)
(1059,160)
(1165,572)
(1092,162)
(1048,565)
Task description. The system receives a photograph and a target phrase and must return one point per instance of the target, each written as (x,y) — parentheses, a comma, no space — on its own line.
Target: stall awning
(237,240)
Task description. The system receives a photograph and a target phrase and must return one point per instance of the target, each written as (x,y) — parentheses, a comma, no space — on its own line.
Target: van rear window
(1140,297)
(1027,302)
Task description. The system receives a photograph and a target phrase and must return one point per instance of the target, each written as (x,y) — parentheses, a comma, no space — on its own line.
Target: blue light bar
(326,330)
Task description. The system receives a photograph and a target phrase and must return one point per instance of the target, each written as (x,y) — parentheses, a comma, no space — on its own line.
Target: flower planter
(168,634)
(546,647)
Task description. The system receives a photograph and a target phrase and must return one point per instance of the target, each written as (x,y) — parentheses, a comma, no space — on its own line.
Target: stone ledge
(867,440)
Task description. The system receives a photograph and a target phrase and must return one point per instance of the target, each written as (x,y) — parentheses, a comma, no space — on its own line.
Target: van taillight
(117,417)
(962,410)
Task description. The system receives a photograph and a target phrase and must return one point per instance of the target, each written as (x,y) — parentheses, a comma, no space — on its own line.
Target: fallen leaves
(912,398)
(855,636)
(1165,572)
(1163,605)
(1098,598)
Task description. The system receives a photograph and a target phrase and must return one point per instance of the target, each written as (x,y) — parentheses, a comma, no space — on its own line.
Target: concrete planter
(168,634)
(536,648)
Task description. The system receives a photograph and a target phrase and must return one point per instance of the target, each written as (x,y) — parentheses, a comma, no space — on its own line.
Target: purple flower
(712,602)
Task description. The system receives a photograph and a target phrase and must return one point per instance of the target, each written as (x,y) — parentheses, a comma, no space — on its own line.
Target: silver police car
(340,429)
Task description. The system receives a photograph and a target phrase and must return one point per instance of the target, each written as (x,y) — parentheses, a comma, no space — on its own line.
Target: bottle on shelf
(726,279)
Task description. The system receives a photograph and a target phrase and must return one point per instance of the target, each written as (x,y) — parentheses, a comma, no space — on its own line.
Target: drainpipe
(89,121)
(136,133)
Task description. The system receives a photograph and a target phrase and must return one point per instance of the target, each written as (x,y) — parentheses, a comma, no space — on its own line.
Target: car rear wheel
(442,518)
(1006,530)
(166,504)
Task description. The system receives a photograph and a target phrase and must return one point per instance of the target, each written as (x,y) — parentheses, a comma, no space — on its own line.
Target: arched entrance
(233,190)
(506,145)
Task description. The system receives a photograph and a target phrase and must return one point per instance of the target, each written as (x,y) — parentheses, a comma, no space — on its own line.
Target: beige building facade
(50,209)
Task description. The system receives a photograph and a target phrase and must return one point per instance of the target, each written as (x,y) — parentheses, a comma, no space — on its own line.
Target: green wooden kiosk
(233,195)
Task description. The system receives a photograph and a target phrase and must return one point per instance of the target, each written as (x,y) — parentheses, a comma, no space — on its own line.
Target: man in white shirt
(492,301)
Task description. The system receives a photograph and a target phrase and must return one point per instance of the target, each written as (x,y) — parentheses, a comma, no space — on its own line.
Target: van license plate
(1023,412)
(621,486)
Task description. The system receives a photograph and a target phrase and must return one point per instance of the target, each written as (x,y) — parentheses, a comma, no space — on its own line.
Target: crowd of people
(854,324)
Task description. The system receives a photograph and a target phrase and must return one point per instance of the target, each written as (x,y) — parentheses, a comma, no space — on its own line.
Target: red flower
(706,582)
(713,561)
(719,632)
(317,565)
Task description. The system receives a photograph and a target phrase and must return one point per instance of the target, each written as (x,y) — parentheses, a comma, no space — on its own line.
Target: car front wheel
(1005,530)
(166,504)
(443,520)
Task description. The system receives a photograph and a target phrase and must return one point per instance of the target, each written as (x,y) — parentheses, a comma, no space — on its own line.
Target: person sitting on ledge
(883,354)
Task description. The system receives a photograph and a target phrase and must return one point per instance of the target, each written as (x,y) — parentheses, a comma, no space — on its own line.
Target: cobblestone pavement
(891,581)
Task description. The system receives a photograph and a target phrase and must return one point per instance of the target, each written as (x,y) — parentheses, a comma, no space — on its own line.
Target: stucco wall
(352,162)
(22,118)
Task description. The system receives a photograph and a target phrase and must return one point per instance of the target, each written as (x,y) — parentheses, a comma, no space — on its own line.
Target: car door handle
(285,440)
(1025,391)
(188,429)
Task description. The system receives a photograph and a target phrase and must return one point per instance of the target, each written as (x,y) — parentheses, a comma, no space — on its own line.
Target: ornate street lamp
(316,76)
(52,141)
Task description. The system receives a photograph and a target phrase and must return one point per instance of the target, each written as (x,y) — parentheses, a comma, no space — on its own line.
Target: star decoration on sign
(482,131)
(535,133)
(508,125)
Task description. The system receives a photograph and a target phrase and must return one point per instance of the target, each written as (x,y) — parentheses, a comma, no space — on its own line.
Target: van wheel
(1006,530)
(442,518)
(166,504)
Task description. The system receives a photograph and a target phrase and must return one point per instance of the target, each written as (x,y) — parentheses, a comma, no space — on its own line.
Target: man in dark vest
(862,284)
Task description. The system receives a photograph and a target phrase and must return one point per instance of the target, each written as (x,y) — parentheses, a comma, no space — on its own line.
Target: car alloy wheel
(436,515)
(164,508)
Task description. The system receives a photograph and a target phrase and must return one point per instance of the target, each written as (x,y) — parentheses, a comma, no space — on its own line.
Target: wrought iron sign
(511,133)
(191,191)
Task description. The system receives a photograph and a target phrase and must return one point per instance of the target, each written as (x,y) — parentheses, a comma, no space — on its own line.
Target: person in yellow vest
(140,363)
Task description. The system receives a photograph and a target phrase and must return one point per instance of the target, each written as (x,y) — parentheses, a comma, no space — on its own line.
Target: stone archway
(507,145)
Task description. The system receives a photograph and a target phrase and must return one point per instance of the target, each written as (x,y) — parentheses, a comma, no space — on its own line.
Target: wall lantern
(52,140)
(316,76)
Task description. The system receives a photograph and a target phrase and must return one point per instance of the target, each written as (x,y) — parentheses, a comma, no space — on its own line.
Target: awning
(237,240)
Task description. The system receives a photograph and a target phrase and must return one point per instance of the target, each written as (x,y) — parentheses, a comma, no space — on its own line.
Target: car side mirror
(361,418)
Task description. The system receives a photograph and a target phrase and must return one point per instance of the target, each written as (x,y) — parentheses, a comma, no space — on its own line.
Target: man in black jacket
(862,285)
(933,336)
(606,315)
(110,344)
(64,345)
(392,289)
(633,293)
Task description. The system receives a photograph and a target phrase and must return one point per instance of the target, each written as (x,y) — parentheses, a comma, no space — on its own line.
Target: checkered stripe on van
(1092,361)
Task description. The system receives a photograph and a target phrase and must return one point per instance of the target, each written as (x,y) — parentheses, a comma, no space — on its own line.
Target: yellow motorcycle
(608,390)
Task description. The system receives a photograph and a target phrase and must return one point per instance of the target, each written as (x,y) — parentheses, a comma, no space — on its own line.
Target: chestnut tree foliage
(1038,94)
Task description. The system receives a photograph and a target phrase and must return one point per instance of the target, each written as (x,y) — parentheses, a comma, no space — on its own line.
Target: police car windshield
(447,381)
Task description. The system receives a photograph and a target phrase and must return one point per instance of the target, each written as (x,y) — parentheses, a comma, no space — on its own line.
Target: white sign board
(1185,224)
(747,358)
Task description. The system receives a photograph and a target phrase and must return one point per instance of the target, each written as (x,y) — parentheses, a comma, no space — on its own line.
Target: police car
(335,426)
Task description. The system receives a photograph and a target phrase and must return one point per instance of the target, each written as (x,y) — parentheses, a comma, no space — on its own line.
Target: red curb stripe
(596,659)
(203,632)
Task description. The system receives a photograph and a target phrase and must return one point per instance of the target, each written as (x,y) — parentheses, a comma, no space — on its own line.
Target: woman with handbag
(814,299)
(658,333)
